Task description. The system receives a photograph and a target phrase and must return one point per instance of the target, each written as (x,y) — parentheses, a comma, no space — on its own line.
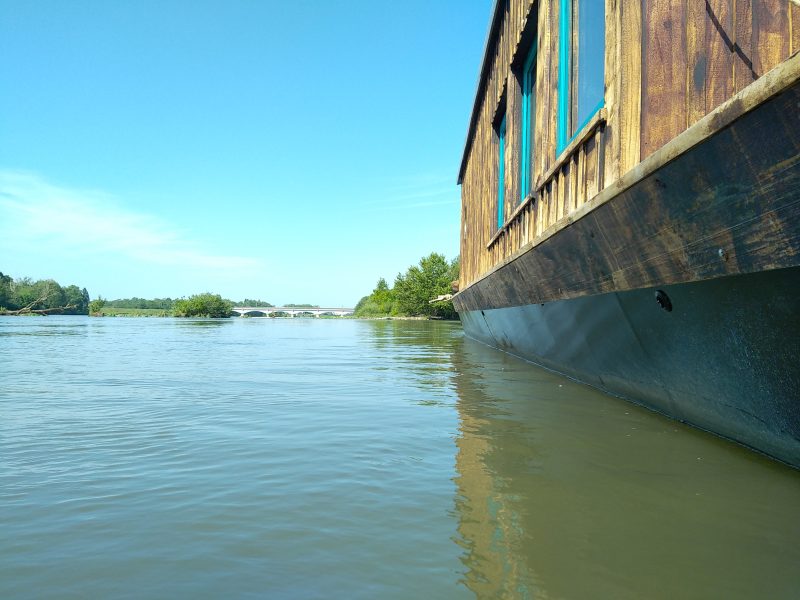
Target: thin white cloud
(420,180)
(36,212)
(415,195)
(415,192)
(451,202)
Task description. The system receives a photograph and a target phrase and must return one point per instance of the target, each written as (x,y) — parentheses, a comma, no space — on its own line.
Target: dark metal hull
(726,358)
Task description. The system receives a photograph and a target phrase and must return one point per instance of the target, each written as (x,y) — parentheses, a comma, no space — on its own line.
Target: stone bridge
(292,311)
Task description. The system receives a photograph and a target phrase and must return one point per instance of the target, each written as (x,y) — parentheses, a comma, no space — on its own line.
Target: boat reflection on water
(564,492)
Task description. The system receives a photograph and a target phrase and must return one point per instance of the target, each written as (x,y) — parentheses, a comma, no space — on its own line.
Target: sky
(283,151)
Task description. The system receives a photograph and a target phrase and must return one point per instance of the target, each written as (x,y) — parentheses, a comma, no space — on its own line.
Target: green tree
(159,303)
(203,305)
(5,291)
(36,295)
(23,293)
(251,302)
(96,306)
(379,303)
(77,299)
(360,305)
(414,290)
(45,295)
(52,292)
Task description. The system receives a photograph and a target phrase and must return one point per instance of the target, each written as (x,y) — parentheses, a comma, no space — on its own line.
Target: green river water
(308,458)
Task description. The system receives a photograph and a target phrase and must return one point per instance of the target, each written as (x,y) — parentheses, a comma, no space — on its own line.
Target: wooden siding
(668,63)
(720,199)
(698,53)
(606,148)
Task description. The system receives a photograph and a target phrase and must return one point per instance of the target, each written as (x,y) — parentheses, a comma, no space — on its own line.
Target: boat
(630,205)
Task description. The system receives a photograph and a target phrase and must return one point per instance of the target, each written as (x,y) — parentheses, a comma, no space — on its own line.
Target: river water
(300,458)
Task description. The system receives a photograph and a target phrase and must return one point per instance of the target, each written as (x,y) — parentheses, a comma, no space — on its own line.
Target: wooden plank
(563,192)
(794,18)
(697,52)
(570,176)
(541,133)
(630,89)
(513,144)
(719,71)
(548,198)
(546,89)
(612,83)
(598,120)
(551,91)
(580,177)
(663,73)
(743,72)
(601,157)
(534,216)
(537,222)
(591,167)
(548,205)
(575,173)
(566,183)
(770,34)
(515,235)
(526,234)
(558,211)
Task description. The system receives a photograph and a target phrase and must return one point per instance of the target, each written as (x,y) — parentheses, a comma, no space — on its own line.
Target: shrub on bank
(203,305)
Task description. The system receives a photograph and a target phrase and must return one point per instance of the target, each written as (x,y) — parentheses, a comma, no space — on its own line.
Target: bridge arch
(291,311)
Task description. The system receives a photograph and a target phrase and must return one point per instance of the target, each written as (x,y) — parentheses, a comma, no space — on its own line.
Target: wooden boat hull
(712,221)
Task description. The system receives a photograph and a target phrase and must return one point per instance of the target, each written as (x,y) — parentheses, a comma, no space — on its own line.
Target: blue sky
(288,151)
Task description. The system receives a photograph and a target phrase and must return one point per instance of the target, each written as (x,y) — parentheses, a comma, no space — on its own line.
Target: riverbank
(134,312)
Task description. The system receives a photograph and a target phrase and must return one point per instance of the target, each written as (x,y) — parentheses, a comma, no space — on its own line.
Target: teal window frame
(528,109)
(501,171)
(566,80)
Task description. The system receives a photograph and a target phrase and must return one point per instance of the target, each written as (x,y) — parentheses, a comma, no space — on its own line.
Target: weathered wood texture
(607,147)
(724,206)
(668,63)
(480,173)
(698,53)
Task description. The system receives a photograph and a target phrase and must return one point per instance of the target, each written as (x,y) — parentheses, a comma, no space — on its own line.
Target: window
(581,78)
(528,119)
(501,171)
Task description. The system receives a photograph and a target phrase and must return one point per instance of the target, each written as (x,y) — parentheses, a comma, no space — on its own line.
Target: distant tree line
(43,296)
(168,303)
(250,302)
(46,296)
(159,303)
(413,291)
